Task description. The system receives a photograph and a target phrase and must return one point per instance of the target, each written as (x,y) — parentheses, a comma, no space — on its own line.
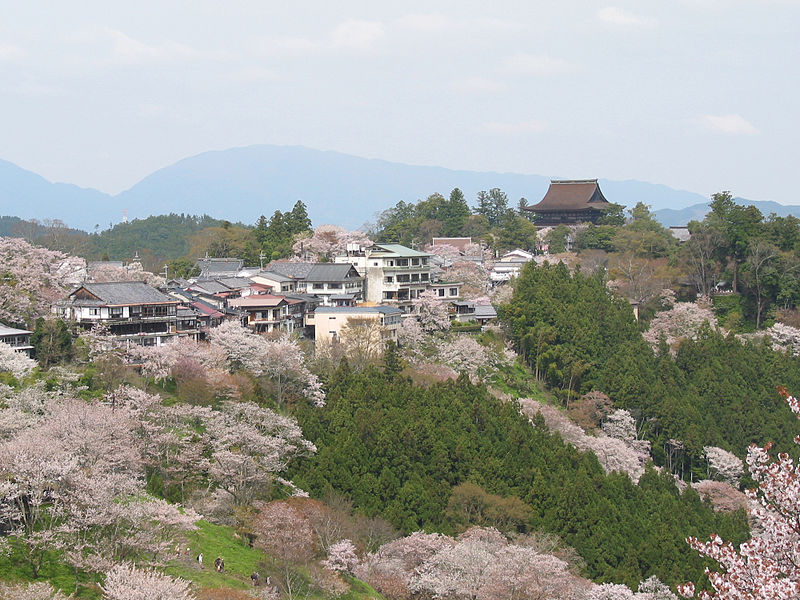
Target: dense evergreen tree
(399,450)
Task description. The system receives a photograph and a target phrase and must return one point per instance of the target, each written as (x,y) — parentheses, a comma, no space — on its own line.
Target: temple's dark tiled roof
(572,195)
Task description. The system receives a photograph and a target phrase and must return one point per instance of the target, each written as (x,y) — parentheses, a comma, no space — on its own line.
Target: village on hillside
(318,291)
(342,418)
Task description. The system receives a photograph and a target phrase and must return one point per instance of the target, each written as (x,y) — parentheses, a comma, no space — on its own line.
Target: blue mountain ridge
(239,184)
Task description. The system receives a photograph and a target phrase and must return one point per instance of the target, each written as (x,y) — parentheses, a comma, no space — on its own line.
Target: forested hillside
(716,390)
(399,450)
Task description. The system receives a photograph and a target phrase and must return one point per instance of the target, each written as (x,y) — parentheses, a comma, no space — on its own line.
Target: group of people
(219,563)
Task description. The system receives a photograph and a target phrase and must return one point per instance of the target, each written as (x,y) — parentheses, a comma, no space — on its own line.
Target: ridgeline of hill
(240,184)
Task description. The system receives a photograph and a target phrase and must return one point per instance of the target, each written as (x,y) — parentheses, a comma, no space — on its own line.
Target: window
(388,280)
(115,312)
(403,278)
(415,277)
(454,291)
(318,286)
(334,286)
(155,311)
(441,292)
(424,277)
(415,261)
(375,263)
(94,312)
(402,262)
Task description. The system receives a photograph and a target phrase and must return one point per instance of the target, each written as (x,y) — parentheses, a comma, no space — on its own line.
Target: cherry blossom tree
(249,445)
(768,564)
(447,251)
(431,312)
(390,569)
(106,273)
(99,342)
(341,557)
(464,354)
(412,338)
(16,363)
(475,278)
(329,241)
(30,591)
(626,455)
(722,496)
(283,531)
(681,321)
(281,360)
(31,278)
(649,589)
(480,564)
(126,582)
(784,338)
(160,362)
(72,481)
(726,465)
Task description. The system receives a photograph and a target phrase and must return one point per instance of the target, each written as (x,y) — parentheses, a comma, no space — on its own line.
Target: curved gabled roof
(572,194)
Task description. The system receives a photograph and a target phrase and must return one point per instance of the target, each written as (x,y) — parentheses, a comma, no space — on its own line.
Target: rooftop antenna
(166,273)
(261,257)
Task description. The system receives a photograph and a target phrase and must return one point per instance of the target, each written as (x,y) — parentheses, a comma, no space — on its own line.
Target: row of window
(415,277)
(334,286)
(116,312)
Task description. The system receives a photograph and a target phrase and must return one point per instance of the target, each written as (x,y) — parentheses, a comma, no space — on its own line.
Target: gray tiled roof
(274,276)
(331,272)
(235,283)
(295,270)
(219,265)
(485,311)
(398,250)
(123,292)
(210,286)
(312,271)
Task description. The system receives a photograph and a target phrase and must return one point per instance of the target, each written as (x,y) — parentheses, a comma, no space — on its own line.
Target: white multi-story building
(392,273)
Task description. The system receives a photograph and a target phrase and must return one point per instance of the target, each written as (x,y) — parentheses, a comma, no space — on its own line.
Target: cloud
(428,23)
(479,85)
(357,34)
(504,128)
(10,52)
(623,18)
(254,75)
(730,124)
(528,64)
(114,47)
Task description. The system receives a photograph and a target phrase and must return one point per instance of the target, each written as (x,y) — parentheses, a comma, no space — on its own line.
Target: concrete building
(329,320)
(392,273)
(19,339)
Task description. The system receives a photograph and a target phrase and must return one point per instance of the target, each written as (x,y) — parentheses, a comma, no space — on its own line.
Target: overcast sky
(696,94)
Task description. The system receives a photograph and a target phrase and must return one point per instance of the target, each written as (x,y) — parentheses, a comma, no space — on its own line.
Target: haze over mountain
(240,184)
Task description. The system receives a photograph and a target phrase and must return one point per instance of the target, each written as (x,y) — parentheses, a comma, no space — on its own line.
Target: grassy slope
(212,540)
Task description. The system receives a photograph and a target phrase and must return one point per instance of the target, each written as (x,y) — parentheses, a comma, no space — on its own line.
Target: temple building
(569,202)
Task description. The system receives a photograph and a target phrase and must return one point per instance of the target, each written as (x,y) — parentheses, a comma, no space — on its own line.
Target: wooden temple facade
(569,202)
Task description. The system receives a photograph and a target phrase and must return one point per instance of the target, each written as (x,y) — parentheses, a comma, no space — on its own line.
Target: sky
(699,95)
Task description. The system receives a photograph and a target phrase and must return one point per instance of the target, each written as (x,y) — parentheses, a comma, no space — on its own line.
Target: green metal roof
(400,250)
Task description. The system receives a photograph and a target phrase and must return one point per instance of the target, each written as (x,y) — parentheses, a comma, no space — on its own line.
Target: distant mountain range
(676,217)
(240,184)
